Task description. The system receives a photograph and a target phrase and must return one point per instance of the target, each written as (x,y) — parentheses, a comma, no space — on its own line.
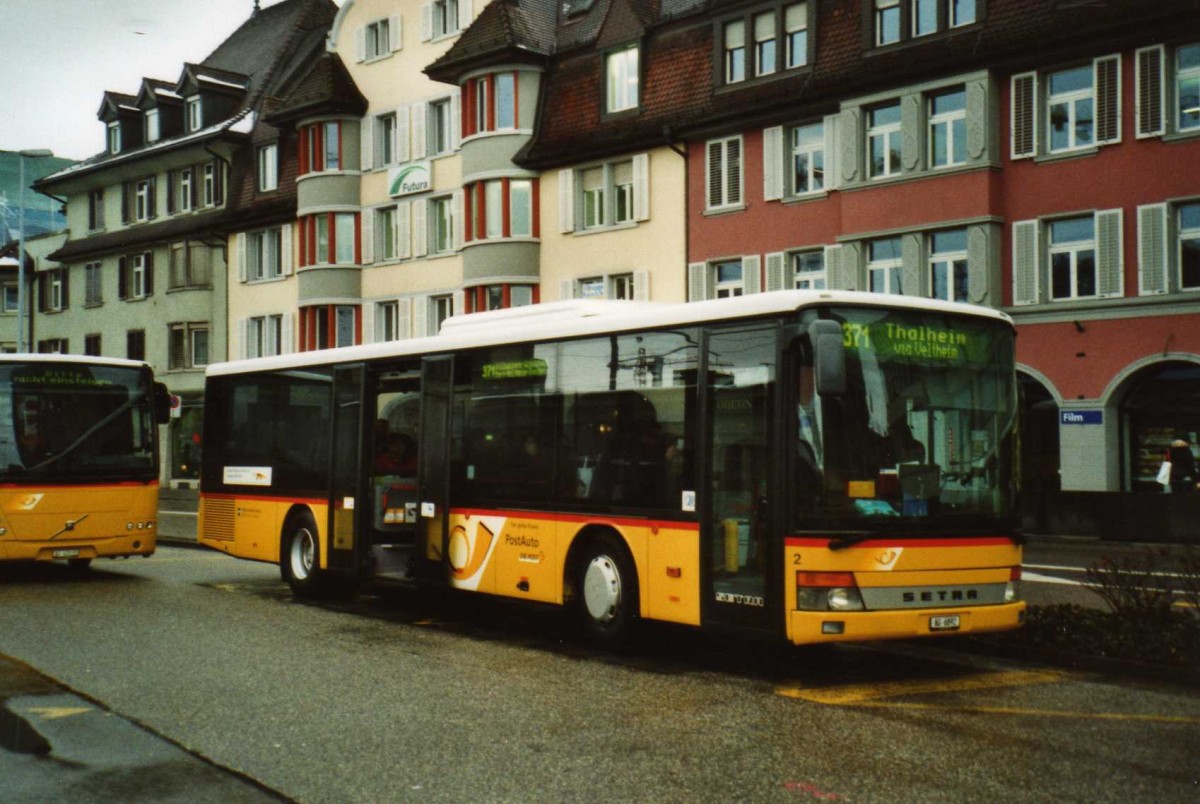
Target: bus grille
(218,519)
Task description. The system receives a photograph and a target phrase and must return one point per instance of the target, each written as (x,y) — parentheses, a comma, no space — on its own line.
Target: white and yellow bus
(78,458)
(820,465)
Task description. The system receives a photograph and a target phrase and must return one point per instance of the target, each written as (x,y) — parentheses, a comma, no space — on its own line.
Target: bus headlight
(827,591)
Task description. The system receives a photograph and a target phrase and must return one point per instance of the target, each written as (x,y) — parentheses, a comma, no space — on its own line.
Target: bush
(1169,640)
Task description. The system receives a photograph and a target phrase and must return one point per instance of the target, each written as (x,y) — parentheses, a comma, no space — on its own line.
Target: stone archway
(1157,403)
(1039,460)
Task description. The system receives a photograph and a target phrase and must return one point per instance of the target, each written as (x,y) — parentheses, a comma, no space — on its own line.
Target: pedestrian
(1183,467)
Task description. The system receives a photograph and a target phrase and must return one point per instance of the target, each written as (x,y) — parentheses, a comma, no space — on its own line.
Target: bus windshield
(923,436)
(64,422)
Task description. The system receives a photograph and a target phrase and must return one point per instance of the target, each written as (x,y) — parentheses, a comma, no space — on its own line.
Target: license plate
(66,554)
(948,622)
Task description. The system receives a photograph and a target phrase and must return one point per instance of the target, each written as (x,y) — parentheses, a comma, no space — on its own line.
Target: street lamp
(33,153)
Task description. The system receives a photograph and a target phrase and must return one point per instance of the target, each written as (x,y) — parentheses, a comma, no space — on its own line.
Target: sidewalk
(177,515)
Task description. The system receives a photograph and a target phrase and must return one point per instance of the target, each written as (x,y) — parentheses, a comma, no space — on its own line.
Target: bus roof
(581,318)
(91,360)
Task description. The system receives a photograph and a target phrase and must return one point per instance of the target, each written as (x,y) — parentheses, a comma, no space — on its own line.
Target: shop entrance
(1161,406)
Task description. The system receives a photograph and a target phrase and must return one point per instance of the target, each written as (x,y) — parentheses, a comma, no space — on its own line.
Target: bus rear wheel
(299,557)
(606,592)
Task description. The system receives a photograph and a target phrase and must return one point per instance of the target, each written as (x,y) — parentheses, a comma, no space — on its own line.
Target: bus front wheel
(299,556)
(606,592)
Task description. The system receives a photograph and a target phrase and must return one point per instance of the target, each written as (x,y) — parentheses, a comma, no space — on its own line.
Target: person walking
(1183,467)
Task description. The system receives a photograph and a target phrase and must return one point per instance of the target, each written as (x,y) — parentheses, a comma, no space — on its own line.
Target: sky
(58,57)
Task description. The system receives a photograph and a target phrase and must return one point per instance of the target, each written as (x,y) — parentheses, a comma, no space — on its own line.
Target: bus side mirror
(162,403)
(829,357)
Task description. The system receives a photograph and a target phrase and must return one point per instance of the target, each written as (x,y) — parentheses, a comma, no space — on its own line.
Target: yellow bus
(78,458)
(822,466)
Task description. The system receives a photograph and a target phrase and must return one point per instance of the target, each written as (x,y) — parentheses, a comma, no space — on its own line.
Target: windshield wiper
(88,433)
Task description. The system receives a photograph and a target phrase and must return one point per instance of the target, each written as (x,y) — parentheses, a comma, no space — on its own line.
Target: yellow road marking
(1013,710)
(57,712)
(858,693)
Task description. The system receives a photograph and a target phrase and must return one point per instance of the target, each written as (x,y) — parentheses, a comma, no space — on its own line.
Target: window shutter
(243,330)
(566,200)
(752,274)
(641,187)
(218,182)
(149,273)
(369,335)
(420,317)
(123,278)
(773,163)
(287,329)
(776,265)
(285,249)
(460,302)
(733,160)
(368,236)
(1108,99)
(152,198)
(843,269)
(1149,87)
(465,14)
(641,286)
(455,120)
(403,151)
(1152,249)
(426,22)
(197,179)
(419,233)
(566,289)
(832,177)
(170,192)
(404,248)
(368,128)
(977,119)
(125,202)
(1110,257)
(404,318)
(716,169)
(833,266)
(1024,115)
(243,256)
(395,33)
(1026,256)
(456,218)
(418,130)
(360,43)
(697,281)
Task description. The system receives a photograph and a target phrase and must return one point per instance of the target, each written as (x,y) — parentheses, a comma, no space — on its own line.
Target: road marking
(179,513)
(58,712)
(1033,577)
(855,694)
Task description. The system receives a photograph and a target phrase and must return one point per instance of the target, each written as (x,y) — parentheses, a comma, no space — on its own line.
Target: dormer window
(763,41)
(905,20)
(195,113)
(621,79)
(153,130)
(114,138)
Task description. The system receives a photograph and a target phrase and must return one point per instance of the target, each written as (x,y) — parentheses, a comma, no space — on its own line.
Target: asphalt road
(404,698)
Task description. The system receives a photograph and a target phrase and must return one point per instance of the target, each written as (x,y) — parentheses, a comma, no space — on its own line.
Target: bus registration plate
(66,553)
(947,622)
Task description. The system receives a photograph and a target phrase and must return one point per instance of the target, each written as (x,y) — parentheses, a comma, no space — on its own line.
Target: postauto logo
(409,179)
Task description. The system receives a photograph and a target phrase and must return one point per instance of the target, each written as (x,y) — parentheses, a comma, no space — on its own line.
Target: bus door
(433,463)
(740,537)
(345,467)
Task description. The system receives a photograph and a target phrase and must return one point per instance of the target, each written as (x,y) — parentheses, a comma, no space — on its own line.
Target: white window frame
(378,39)
(268,167)
(915,15)
(954,122)
(725,285)
(440,126)
(766,43)
(210,185)
(441,225)
(1182,74)
(438,308)
(344,238)
(949,262)
(388,321)
(813,152)
(137,276)
(193,334)
(443,18)
(195,113)
(264,336)
(386,128)
(186,177)
(1189,234)
(153,127)
(1073,250)
(114,138)
(93,284)
(795,35)
(887,10)
(890,135)
(265,253)
(622,78)
(963,12)
(889,268)
(143,205)
(96,210)
(733,51)
(723,174)
(1071,99)
(808,280)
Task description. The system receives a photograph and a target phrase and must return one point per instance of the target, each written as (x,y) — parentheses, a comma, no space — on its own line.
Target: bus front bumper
(809,627)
